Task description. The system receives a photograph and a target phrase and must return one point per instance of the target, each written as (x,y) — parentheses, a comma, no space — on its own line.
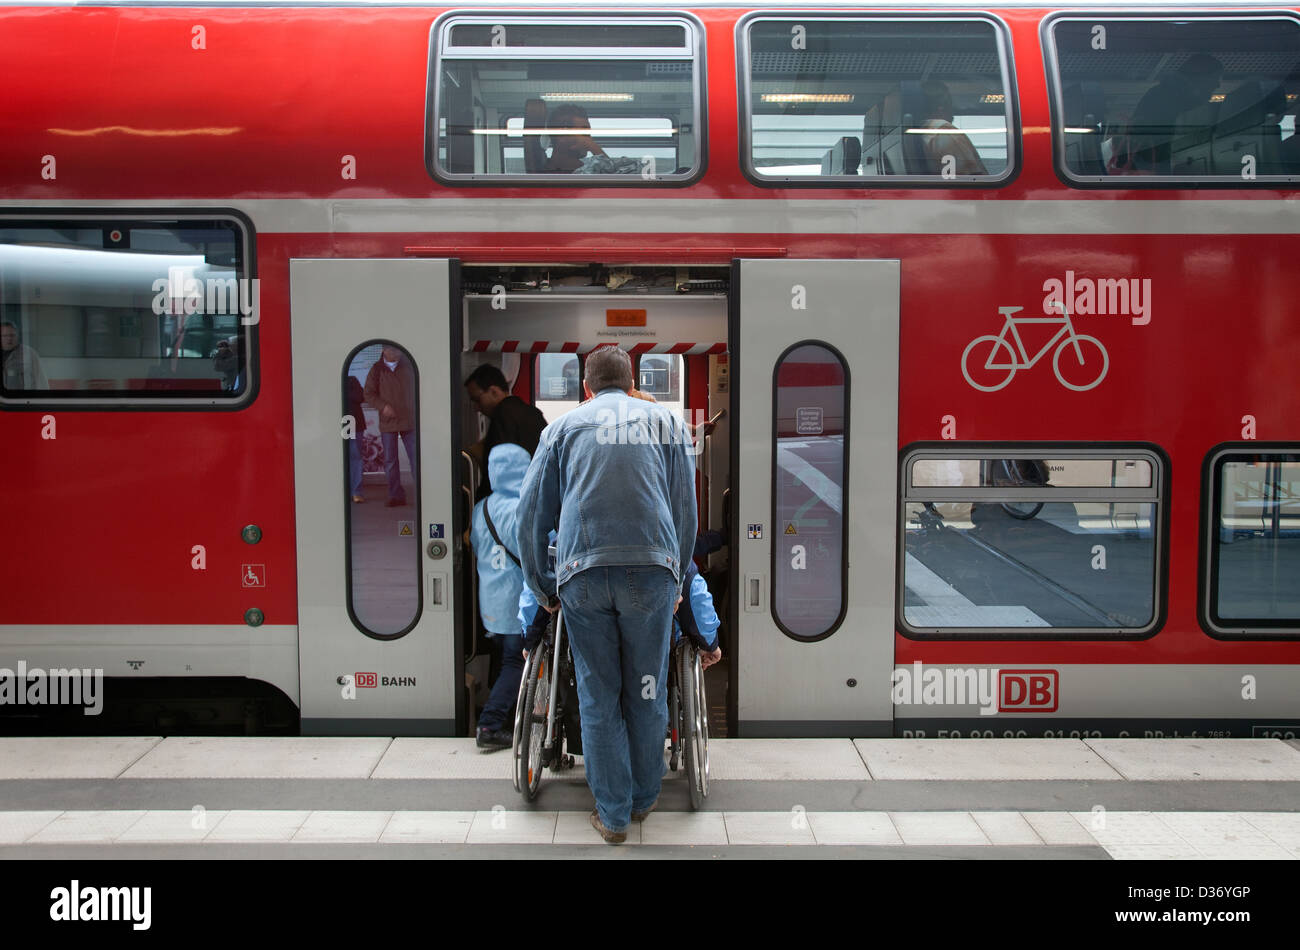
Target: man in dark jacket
(390,388)
(512,419)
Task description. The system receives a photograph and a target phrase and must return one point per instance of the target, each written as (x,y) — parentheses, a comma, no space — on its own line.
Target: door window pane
(558,386)
(382,488)
(808,496)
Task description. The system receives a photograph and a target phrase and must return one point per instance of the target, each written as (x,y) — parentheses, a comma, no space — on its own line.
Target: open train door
(814,348)
(377,614)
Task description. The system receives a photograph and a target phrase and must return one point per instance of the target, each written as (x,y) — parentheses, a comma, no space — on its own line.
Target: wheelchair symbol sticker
(435,530)
(756,532)
(253,575)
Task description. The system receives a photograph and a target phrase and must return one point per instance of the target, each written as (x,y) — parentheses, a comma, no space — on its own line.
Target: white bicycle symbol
(1002,356)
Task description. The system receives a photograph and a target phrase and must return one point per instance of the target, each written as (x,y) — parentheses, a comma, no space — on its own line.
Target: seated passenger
(568,151)
(1154,122)
(697,618)
(500,579)
(947,140)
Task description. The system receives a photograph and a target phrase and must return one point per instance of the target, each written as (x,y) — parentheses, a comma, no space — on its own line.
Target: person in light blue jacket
(500,579)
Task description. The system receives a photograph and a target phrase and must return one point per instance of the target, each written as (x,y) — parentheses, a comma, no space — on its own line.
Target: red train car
(997,299)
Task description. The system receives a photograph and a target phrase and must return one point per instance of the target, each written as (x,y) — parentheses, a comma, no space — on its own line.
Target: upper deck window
(875,101)
(1142,101)
(117,311)
(579,101)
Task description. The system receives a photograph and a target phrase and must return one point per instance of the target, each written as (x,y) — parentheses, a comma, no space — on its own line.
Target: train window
(118,311)
(1254,543)
(831,99)
(1054,542)
(1141,100)
(576,101)
(663,375)
(381,393)
(557,384)
(809,490)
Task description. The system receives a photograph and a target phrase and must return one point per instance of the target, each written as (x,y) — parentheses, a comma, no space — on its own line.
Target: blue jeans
(391,464)
(354,465)
(617,620)
(499,710)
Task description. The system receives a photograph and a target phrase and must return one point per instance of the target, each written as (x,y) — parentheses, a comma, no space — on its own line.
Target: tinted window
(1047,544)
(863,99)
(382,488)
(571,103)
(558,384)
(1193,98)
(125,310)
(1255,542)
(808,491)
(663,375)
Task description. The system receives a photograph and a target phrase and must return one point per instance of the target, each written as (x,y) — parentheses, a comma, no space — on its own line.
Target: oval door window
(810,396)
(382,488)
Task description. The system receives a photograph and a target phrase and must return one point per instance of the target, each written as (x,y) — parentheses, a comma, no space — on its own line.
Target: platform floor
(890,798)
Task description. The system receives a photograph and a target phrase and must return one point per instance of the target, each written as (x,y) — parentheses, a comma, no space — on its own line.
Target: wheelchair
(548,732)
(688,716)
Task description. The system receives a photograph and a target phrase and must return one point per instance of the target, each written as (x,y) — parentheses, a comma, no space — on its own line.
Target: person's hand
(550,610)
(388,412)
(708,659)
(678,604)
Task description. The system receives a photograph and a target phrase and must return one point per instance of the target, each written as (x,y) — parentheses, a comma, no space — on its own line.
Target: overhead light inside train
(588,97)
(597,132)
(799,97)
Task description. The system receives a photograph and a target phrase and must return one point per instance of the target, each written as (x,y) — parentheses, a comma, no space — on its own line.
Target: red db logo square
(1028,691)
(368,680)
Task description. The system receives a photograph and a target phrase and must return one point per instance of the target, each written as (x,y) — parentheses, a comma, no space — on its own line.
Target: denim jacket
(499,579)
(615,478)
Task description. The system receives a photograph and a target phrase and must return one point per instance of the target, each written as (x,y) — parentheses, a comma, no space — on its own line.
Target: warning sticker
(789,528)
(406,529)
(756,532)
(253,575)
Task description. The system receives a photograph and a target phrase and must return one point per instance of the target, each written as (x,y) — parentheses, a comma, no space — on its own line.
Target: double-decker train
(998,300)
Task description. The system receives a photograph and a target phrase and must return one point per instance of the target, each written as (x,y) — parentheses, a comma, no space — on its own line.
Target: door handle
(755,593)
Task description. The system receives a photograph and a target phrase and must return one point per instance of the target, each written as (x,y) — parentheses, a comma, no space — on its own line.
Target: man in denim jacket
(615,478)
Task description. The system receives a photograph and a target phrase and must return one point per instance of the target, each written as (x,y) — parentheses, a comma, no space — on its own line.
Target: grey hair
(608,366)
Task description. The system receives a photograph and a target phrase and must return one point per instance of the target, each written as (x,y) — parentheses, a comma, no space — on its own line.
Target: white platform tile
(854,827)
(512,827)
(17,826)
(1058,828)
(1200,759)
(442,758)
(172,826)
(261,757)
(258,826)
(798,760)
(1281,827)
(1115,828)
(1208,829)
(70,756)
(938,828)
(1006,827)
(574,827)
(86,827)
(768,827)
(343,826)
(983,759)
(684,827)
(428,827)
(1257,852)
(1153,852)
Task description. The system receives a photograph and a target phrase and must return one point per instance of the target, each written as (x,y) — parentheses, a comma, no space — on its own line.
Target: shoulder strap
(496,537)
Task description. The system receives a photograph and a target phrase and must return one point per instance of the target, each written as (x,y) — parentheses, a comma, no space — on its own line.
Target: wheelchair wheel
(537,699)
(674,714)
(518,749)
(695,736)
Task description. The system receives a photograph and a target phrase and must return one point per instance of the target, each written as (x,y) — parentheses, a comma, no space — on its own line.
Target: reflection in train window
(663,375)
(573,102)
(382,488)
(866,100)
(809,499)
(1057,543)
(125,311)
(558,384)
(1255,543)
(1191,98)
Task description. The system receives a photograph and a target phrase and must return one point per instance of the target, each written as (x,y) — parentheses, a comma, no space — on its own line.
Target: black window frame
(696,43)
(845,496)
(1056,108)
(86,400)
(952,450)
(1212,624)
(1006,52)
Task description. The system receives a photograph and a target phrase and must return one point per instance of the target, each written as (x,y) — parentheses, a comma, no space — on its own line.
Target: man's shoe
(494,739)
(611,837)
(640,815)
(358,500)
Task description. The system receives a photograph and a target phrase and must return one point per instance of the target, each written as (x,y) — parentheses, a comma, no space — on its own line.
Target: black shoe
(494,739)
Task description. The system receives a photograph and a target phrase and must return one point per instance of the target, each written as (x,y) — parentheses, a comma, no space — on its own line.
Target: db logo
(367,680)
(1027,690)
